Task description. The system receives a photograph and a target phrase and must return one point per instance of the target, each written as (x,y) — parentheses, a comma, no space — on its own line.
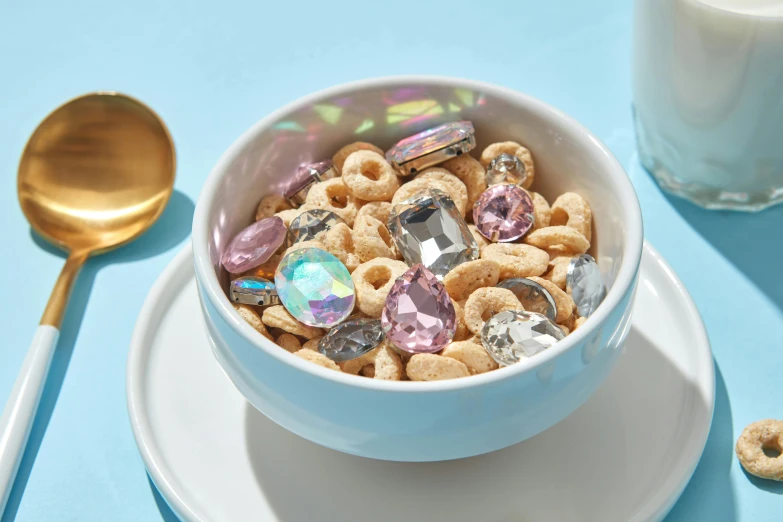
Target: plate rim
(655,507)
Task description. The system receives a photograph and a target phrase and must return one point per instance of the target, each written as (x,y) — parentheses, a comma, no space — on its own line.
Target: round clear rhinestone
(585,284)
(351,339)
(533,296)
(514,335)
(506,168)
(310,224)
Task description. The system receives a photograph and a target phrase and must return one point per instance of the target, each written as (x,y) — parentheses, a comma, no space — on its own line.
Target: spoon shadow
(169,230)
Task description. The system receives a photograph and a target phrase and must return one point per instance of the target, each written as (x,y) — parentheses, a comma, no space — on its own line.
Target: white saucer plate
(625,455)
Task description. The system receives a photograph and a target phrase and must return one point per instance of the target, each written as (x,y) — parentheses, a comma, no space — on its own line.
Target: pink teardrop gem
(419,316)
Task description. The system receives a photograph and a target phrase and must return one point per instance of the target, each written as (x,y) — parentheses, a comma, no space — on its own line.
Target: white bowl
(418,421)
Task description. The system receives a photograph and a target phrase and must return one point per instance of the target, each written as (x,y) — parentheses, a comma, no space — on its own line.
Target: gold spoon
(95,174)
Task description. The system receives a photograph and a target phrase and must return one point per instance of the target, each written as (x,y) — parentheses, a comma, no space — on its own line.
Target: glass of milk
(708,99)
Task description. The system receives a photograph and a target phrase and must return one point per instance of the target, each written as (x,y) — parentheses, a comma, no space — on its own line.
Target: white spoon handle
(19,411)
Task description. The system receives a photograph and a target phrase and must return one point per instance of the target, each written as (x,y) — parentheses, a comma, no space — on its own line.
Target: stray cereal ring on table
(380,210)
(517,260)
(289,342)
(251,317)
(465,278)
(271,205)
(563,302)
(557,271)
(762,435)
(317,358)
(570,209)
(542,213)
(369,176)
(372,239)
(471,354)
(278,317)
(419,185)
(486,302)
(431,367)
(515,149)
(373,281)
(338,241)
(561,239)
(471,173)
(341,155)
(333,195)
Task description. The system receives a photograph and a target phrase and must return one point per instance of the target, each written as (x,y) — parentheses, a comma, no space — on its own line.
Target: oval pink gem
(419,316)
(503,213)
(254,245)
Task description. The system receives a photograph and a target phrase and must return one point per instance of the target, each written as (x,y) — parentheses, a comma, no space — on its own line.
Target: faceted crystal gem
(351,339)
(254,245)
(419,316)
(428,229)
(585,284)
(533,296)
(506,168)
(514,335)
(307,225)
(253,291)
(305,176)
(315,287)
(503,213)
(453,138)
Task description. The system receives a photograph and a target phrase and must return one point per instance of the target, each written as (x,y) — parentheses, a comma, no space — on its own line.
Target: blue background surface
(211,70)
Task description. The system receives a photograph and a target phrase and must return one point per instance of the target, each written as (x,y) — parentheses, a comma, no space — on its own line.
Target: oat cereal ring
(471,173)
(278,317)
(431,367)
(456,188)
(338,241)
(471,354)
(368,371)
(517,260)
(304,244)
(557,271)
(388,365)
(481,241)
(570,209)
(568,325)
(762,435)
(271,205)
(464,279)
(461,332)
(288,342)
(368,176)
(288,215)
(542,214)
(373,281)
(380,210)
(417,185)
(579,322)
(251,317)
(372,239)
(341,155)
(486,302)
(558,237)
(565,329)
(317,358)
(333,195)
(515,149)
(563,302)
(312,344)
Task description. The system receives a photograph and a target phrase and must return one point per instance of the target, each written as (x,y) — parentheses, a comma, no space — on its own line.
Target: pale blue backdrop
(211,69)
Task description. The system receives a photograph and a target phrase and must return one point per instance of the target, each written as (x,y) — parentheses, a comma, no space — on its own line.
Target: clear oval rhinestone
(309,224)
(253,291)
(351,339)
(506,168)
(315,287)
(514,335)
(585,284)
(533,296)
(503,213)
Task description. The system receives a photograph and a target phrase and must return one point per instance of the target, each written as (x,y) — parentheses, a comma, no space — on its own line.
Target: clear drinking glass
(708,99)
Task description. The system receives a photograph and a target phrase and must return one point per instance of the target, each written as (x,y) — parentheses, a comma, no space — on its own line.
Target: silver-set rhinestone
(585,284)
(310,223)
(506,168)
(514,335)
(351,339)
(533,296)
(428,229)
(253,291)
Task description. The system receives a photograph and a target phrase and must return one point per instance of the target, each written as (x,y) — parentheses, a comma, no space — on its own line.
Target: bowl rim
(626,276)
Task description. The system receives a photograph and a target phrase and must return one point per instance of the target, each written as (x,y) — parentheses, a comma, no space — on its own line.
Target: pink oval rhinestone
(419,316)
(254,245)
(503,213)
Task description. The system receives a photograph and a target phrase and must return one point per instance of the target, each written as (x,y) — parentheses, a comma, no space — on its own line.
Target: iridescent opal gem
(254,245)
(514,335)
(431,147)
(253,291)
(503,213)
(585,284)
(305,177)
(351,339)
(315,287)
(310,223)
(506,168)
(533,296)
(419,316)
(428,229)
